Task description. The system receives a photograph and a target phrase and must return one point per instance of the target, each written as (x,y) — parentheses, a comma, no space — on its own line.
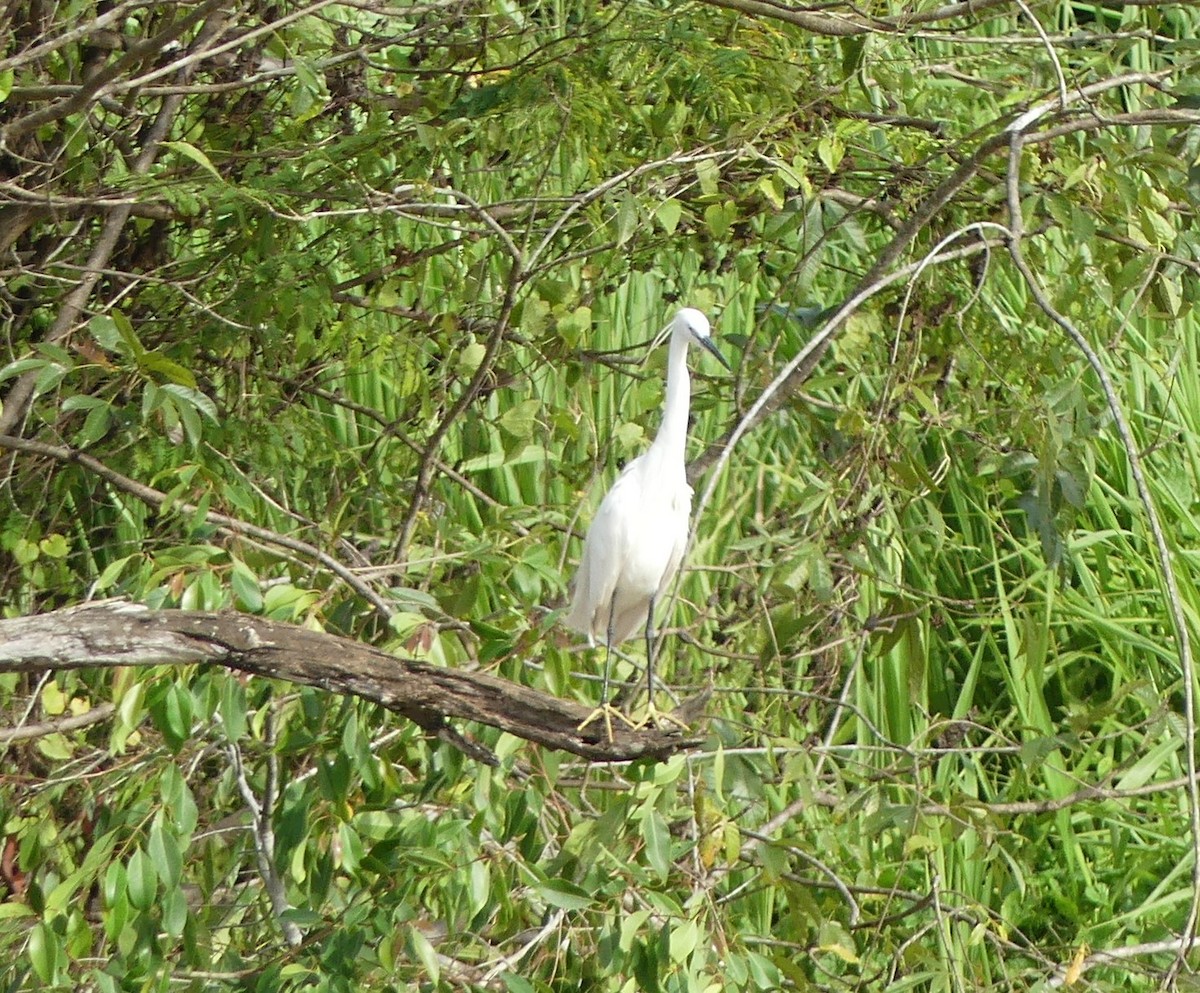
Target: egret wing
(605,557)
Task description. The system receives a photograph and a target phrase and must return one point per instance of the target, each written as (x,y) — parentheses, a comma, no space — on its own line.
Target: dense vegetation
(378,279)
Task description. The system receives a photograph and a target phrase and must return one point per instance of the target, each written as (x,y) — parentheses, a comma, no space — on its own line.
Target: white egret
(636,541)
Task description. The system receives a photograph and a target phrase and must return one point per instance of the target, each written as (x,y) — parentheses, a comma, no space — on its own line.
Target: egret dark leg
(606,709)
(652,711)
(612,619)
(650,652)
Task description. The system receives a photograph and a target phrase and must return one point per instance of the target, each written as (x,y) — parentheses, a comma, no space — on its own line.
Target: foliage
(379,279)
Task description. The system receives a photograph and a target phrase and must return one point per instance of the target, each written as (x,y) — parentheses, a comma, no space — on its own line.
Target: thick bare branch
(111,633)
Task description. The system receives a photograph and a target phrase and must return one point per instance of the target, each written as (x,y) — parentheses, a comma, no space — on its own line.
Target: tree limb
(116,633)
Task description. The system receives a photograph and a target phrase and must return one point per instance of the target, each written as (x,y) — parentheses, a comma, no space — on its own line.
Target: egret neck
(668,447)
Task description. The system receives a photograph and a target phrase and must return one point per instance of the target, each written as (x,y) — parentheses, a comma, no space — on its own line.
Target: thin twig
(264,843)
(72,722)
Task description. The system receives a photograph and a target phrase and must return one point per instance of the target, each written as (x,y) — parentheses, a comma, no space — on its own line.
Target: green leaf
(112,573)
(658,842)
(95,426)
(163,849)
(627,218)
(25,551)
(190,151)
(424,952)
(719,217)
(709,175)
(470,358)
(54,701)
(173,714)
(575,327)
(81,401)
(520,420)
(568,896)
(45,952)
(233,709)
(175,911)
(142,881)
(668,214)
(180,380)
(54,546)
(245,586)
(21,366)
(104,330)
(55,747)
(516,984)
(831,151)
(115,884)
(6,82)
(853,51)
(133,347)
(773,189)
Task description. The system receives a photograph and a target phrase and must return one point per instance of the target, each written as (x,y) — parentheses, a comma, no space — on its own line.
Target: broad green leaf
(45,952)
(25,551)
(95,426)
(424,952)
(245,586)
(82,401)
(54,546)
(560,893)
(520,419)
(658,842)
(628,216)
(233,709)
(668,214)
(719,217)
(470,357)
(163,849)
(709,175)
(104,330)
(142,885)
(180,381)
(190,151)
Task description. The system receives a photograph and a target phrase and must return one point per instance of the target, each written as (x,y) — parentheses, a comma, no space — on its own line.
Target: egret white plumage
(636,541)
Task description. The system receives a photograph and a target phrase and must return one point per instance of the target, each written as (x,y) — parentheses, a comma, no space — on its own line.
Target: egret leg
(652,711)
(650,651)
(606,709)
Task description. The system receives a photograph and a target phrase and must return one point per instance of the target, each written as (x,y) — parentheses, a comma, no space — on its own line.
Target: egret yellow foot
(608,711)
(654,717)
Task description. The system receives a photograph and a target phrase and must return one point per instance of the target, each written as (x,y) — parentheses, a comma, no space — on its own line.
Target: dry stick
(227,524)
(100,712)
(116,633)
(264,832)
(1162,550)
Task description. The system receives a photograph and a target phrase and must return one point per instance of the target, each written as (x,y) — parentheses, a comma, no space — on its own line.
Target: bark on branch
(115,633)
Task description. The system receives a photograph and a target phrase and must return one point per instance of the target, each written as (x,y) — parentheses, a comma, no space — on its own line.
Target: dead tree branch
(115,633)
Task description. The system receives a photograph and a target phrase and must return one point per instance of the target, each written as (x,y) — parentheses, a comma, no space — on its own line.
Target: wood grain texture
(117,633)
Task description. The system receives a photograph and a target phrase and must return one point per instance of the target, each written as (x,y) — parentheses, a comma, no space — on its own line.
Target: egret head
(693,323)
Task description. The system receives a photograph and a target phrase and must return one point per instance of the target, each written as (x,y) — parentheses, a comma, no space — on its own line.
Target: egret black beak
(709,346)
